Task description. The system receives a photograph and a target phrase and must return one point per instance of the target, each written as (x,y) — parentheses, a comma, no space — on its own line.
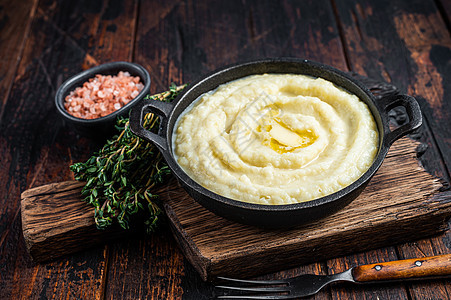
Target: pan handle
(162,109)
(413,112)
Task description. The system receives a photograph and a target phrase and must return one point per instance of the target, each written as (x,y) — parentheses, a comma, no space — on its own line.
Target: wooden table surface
(42,43)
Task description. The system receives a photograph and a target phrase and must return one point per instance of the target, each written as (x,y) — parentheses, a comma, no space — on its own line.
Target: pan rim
(314,203)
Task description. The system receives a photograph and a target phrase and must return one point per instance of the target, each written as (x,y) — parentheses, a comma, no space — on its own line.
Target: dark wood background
(406,43)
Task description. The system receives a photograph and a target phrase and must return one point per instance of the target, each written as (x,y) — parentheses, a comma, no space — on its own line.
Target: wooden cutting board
(402,203)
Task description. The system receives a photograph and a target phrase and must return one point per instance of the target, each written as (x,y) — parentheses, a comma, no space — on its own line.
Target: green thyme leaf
(124,172)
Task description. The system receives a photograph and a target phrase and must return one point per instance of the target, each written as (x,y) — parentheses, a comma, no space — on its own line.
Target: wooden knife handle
(439,265)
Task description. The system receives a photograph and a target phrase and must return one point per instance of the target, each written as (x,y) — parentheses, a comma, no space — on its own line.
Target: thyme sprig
(120,177)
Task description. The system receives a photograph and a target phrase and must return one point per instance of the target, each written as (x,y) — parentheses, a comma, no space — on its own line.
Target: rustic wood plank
(151,267)
(13,33)
(15,20)
(38,149)
(415,31)
(158,46)
(429,44)
(377,53)
(54,217)
(61,279)
(146,268)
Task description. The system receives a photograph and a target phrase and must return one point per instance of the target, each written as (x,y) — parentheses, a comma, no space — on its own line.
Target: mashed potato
(276,139)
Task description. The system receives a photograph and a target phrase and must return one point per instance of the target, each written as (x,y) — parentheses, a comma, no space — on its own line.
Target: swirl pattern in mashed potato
(276,139)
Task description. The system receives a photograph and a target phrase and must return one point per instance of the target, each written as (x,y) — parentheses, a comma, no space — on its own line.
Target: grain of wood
(34,153)
(13,34)
(146,268)
(151,268)
(431,266)
(259,29)
(409,31)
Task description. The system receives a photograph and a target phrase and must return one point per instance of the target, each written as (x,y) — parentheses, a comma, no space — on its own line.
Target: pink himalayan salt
(102,95)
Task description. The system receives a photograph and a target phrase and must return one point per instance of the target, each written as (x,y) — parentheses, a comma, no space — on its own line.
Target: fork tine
(256,289)
(280,281)
(261,289)
(267,297)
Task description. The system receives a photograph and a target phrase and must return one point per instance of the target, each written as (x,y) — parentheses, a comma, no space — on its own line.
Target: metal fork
(307,285)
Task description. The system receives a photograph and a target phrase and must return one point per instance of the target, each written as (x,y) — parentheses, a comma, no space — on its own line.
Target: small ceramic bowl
(101,126)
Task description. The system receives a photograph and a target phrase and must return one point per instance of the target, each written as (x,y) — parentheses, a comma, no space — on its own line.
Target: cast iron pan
(273,216)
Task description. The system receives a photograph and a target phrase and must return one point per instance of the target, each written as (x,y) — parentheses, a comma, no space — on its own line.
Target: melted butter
(284,135)
(283,140)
